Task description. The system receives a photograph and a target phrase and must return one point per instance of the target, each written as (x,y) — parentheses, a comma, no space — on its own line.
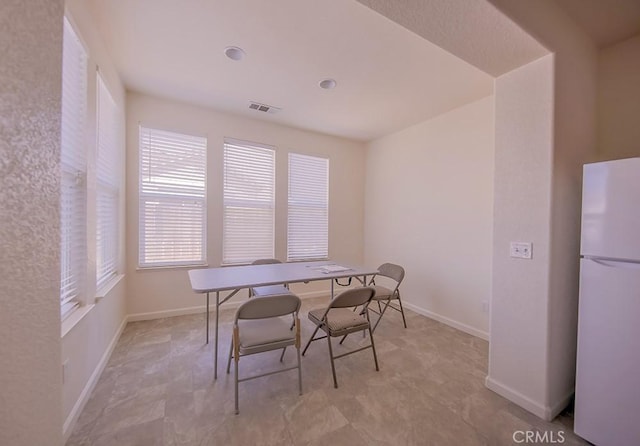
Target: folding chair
(385,295)
(268,290)
(258,327)
(338,320)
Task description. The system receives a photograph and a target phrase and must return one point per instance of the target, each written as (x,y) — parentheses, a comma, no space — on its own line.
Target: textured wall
(524,150)
(574,143)
(30,90)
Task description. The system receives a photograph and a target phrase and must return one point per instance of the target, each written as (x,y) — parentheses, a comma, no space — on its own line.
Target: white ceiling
(388,77)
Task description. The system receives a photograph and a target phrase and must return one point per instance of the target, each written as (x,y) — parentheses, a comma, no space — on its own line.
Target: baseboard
(72,418)
(557,408)
(539,410)
(543,411)
(450,322)
(203,308)
(171,313)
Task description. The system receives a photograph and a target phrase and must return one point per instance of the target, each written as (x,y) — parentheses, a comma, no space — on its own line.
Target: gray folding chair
(385,295)
(337,319)
(268,290)
(258,327)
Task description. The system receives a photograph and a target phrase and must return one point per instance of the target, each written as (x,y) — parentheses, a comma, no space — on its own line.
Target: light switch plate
(521,250)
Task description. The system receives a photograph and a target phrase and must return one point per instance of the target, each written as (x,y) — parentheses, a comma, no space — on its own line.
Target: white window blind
(249,201)
(172,199)
(108,186)
(308,216)
(73,195)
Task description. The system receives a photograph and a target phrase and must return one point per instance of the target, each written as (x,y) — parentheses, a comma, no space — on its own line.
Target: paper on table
(333,268)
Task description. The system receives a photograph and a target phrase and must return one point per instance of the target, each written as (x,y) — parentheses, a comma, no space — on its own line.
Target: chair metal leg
(404,321)
(333,367)
(282,355)
(236,384)
(299,370)
(373,347)
(343,338)
(229,360)
(310,340)
(236,358)
(296,322)
(381,314)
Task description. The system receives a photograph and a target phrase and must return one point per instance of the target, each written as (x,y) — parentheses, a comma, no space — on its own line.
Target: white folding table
(236,278)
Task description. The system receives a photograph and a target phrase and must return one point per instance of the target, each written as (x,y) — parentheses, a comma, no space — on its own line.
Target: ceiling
(605,21)
(388,77)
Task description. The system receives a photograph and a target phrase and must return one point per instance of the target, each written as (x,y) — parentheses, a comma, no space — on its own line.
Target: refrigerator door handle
(616,264)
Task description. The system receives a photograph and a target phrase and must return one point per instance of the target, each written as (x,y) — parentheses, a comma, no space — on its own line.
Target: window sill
(74,318)
(168,267)
(107,287)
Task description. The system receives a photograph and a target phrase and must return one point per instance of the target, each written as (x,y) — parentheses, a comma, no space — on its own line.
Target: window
(249,201)
(308,217)
(108,169)
(73,194)
(172,199)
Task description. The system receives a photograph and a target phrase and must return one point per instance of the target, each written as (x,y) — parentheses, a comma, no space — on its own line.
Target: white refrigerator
(607,402)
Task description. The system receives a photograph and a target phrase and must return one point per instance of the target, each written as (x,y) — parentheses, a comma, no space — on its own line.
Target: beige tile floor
(158,389)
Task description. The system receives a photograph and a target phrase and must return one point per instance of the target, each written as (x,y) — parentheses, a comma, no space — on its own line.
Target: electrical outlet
(485,306)
(521,250)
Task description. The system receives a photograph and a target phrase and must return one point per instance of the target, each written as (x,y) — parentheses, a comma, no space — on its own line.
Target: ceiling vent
(257,106)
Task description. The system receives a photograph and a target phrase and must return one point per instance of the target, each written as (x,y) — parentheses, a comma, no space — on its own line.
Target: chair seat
(383,293)
(270,290)
(339,320)
(257,335)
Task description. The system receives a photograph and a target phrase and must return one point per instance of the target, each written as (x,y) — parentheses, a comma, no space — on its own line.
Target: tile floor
(158,389)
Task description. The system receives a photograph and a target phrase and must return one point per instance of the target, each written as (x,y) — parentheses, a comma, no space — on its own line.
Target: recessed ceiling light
(328,84)
(234,53)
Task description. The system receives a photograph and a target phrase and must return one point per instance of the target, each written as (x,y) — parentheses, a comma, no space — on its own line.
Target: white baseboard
(450,322)
(555,410)
(543,411)
(516,397)
(203,308)
(72,418)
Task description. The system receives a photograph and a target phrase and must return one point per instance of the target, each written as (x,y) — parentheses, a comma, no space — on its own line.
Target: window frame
(318,203)
(108,184)
(172,196)
(255,194)
(73,174)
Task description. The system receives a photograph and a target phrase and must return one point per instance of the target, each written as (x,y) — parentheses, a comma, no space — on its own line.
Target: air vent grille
(257,106)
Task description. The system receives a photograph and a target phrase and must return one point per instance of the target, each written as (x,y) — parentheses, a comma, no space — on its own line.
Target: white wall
(429,205)
(619,100)
(87,344)
(30,102)
(524,149)
(157,292)
(545,341)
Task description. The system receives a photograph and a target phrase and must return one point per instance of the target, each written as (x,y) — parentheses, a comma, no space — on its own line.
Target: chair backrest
(353,297)
(269,306)
(392,271)
(265,261)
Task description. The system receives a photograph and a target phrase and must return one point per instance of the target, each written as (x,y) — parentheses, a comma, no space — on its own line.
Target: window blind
(172,199)
(108,186)
(73,194)
(308,213)
(249,202)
